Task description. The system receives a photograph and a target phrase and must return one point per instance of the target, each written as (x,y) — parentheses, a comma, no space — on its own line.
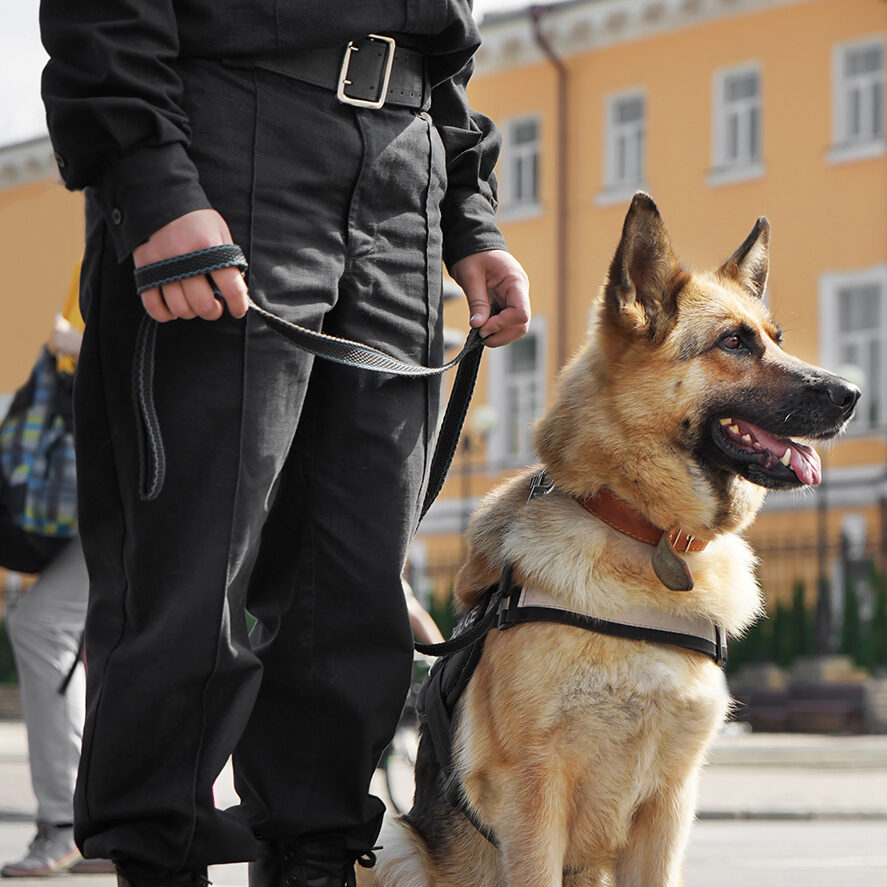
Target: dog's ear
(750,264)
(645,275)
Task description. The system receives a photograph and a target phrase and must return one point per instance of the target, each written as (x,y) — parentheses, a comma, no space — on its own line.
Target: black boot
(267,868)
(301,870)
(304,865)
(129,875)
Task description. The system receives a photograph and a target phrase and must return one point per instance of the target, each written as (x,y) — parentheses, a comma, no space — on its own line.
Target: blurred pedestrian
(45,626)
(44,623)
(425,629)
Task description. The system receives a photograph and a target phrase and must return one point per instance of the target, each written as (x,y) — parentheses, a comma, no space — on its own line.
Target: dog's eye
(731,342)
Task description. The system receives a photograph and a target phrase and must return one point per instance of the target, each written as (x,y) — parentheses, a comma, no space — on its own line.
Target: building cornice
(27,162)
(574,27)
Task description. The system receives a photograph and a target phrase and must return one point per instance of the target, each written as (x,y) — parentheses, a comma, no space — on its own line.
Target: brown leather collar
(623,517)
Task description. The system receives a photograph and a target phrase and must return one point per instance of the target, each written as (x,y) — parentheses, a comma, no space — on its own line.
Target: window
(521,180)
(517,393)
(858,113)
(854,313)
(625,130)
(737,123)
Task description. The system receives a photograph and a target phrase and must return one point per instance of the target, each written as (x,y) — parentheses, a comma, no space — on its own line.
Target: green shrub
(801,626)
(851,625)
(878,625)
(7,664)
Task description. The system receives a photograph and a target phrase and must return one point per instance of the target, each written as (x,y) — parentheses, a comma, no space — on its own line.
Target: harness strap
(438,696)
(345,351)
(701,636)
(471,632)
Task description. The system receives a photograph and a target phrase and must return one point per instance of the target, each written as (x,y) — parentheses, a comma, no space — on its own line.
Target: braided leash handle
(201,262)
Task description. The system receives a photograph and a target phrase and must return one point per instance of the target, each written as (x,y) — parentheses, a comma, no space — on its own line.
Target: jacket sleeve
(472,144)
(113,108)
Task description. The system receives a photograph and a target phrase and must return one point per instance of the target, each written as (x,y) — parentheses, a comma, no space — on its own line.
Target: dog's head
(683,397)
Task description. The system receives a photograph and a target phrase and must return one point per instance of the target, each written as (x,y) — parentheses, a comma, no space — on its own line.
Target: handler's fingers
(233,289)
(155,306)
(513,320)
(174,296)
(200,298)
(509,325)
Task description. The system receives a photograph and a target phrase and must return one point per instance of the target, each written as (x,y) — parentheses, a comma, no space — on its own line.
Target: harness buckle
(507,600)
(344,82)
(503,621)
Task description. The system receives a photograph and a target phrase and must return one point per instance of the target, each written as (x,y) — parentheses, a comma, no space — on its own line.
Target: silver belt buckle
(346,99)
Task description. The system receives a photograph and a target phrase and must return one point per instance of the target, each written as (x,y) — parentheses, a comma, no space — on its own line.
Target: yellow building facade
(41,229)
(723,110)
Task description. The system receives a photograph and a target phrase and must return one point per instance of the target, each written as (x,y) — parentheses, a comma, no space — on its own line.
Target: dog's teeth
(747,438)
(786,458)
(734,429)
(725,421)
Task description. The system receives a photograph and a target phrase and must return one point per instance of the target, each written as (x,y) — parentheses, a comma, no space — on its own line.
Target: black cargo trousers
(292,488)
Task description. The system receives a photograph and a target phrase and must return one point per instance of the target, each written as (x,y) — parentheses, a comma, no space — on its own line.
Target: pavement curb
(791,815)
(16,816)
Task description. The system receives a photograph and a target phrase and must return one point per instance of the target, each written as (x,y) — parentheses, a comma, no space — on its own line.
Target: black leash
(344,351)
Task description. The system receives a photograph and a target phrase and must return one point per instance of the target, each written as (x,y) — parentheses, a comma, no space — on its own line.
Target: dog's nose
(842,393)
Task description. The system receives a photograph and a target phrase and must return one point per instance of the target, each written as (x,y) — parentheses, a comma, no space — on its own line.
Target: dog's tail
(402,860)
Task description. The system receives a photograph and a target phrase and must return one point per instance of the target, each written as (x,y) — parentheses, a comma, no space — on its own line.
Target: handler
(292,486)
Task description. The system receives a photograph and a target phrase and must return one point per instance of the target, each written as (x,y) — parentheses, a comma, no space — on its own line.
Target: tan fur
(582,751)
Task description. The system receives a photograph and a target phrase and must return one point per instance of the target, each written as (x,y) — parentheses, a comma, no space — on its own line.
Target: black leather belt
(368,73)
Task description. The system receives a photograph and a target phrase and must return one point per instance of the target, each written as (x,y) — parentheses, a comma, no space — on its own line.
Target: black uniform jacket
(113,104)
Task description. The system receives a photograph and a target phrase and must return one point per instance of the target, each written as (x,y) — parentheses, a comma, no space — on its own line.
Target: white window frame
(514,205)
(844,148)
(830,285)
(618,188)
(726,170)
(498,386)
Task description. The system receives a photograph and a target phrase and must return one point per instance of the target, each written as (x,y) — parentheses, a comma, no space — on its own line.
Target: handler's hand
(192,297)
(495,278)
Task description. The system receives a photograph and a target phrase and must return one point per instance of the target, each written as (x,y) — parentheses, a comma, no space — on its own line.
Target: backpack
(38,476)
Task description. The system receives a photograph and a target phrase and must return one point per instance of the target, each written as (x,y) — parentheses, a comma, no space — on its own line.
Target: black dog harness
(503,606)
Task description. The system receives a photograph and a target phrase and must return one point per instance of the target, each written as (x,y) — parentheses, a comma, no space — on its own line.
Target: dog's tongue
(805,461)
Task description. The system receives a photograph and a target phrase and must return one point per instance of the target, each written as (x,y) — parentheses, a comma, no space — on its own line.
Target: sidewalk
(750,777)
(795,776)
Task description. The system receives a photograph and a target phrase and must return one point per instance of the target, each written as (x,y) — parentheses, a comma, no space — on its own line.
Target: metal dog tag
(672,570)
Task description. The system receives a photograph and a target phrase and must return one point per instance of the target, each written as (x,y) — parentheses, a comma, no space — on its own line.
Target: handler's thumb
(473,281)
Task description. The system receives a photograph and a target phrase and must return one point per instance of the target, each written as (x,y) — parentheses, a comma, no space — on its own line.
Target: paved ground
(773,809)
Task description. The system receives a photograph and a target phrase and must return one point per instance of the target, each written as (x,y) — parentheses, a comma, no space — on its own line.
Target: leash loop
(202,261)
(152,455)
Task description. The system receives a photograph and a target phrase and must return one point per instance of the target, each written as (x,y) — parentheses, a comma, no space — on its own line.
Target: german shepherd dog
(577,753)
